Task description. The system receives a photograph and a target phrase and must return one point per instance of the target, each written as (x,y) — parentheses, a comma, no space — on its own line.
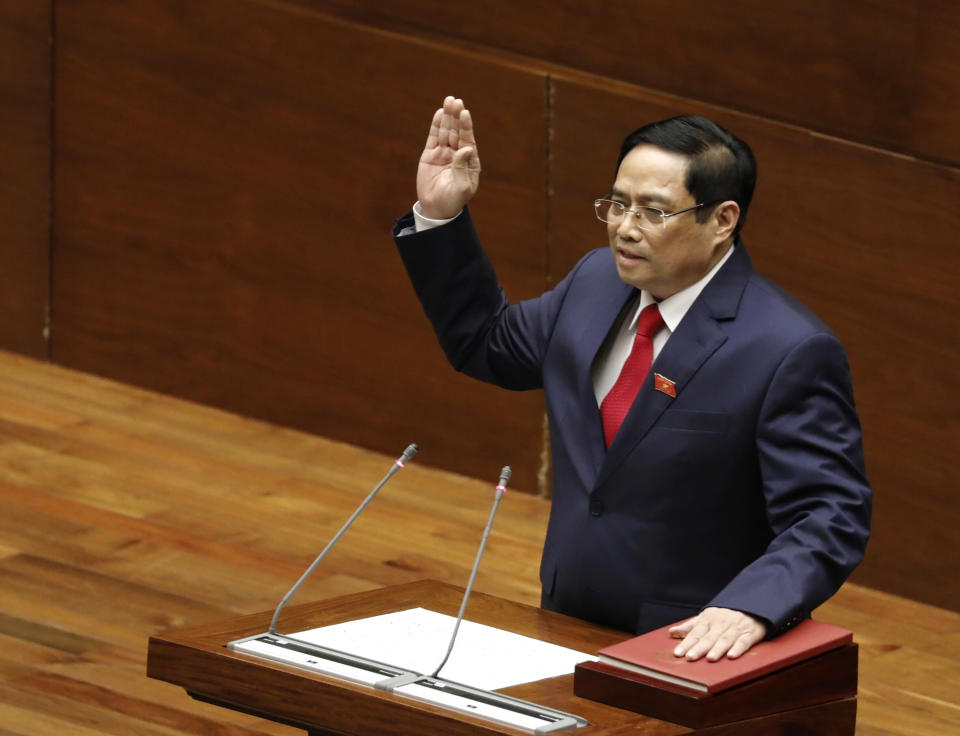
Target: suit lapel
(606,314)
(699,334)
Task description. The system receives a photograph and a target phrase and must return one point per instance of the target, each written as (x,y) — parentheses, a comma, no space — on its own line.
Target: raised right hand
(449,170)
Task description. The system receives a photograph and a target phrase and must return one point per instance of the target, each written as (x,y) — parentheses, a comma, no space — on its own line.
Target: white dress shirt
(614,353)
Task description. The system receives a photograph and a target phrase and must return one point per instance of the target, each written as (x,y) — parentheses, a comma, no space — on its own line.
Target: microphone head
(408,454)
(505,475)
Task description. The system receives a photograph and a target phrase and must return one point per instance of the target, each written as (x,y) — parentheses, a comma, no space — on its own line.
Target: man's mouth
(628,256)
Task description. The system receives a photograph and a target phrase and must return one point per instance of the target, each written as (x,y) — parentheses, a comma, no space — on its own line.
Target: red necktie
(616,404)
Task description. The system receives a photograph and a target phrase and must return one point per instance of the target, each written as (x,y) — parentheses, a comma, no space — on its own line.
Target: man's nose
(628,227)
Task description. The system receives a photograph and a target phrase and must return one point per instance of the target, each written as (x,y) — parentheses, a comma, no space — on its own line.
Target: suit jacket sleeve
(482,334)
(817,496)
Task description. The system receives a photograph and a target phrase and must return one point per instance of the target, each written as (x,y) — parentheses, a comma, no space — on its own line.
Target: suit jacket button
(596,508)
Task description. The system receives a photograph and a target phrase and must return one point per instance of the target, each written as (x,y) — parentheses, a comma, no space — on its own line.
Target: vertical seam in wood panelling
(548,177)
(51,196)
(543,472)
(911,143)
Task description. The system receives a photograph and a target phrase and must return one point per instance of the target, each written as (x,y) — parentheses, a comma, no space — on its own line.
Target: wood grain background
(25,155)
(225,175)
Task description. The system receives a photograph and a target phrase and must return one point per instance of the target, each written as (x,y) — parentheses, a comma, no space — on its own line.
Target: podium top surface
(196,659)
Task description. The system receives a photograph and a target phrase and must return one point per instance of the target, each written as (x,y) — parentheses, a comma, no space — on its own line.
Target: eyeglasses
(648,218)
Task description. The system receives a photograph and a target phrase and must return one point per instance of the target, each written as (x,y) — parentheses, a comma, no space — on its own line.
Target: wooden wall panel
(24,174)
(866,240)
(228,175)
(869,70)
(937,88)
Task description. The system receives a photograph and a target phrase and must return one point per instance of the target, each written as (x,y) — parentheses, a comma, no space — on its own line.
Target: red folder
(651,654)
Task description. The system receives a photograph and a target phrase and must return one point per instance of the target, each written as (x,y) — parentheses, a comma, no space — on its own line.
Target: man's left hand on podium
(717,632)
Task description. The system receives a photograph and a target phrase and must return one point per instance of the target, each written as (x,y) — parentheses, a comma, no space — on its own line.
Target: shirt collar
(674,307)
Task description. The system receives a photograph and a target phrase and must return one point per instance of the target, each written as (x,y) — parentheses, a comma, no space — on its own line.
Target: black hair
(721,166)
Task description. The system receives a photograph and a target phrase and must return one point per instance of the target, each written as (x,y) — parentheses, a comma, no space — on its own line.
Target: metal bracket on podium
(483,704)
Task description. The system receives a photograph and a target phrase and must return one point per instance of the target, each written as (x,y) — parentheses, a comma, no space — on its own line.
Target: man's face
(664,260)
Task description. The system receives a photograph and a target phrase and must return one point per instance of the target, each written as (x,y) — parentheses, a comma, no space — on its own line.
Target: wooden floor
(125,513)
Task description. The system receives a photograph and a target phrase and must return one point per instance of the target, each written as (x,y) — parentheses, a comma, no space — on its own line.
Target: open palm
(449,172)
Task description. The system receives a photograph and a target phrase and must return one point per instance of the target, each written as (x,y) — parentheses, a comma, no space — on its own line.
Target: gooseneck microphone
(467,700)
(398,464)
(505,474)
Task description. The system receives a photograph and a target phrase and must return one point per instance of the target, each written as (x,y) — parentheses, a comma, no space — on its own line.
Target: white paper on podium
(416,639)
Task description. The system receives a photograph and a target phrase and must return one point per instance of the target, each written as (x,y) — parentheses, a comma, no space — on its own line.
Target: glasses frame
(635,211)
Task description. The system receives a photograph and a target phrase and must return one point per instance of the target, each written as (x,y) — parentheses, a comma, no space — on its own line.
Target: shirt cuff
(422,222)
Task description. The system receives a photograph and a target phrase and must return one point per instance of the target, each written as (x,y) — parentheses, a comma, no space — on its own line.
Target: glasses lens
(650,217)
(608,211)
(647,218)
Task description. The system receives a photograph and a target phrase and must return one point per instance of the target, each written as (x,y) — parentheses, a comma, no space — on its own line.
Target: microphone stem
(397,465)
(473,575)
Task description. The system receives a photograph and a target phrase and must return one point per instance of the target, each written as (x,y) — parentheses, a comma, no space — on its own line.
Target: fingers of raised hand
(451,130)
(433,137)
(466,129)
(449,169)
(450,122)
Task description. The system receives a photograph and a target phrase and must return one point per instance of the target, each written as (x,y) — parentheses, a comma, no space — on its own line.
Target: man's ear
(725,219)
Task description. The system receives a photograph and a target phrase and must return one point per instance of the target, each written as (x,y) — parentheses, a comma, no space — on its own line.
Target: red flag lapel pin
(665,385)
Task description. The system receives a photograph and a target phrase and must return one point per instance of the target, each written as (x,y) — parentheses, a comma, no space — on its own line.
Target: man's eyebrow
(649,199)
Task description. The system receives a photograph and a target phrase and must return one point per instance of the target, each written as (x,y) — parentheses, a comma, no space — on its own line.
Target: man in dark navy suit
(707,455)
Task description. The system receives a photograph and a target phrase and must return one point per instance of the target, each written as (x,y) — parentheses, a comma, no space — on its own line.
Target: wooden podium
(197,659)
